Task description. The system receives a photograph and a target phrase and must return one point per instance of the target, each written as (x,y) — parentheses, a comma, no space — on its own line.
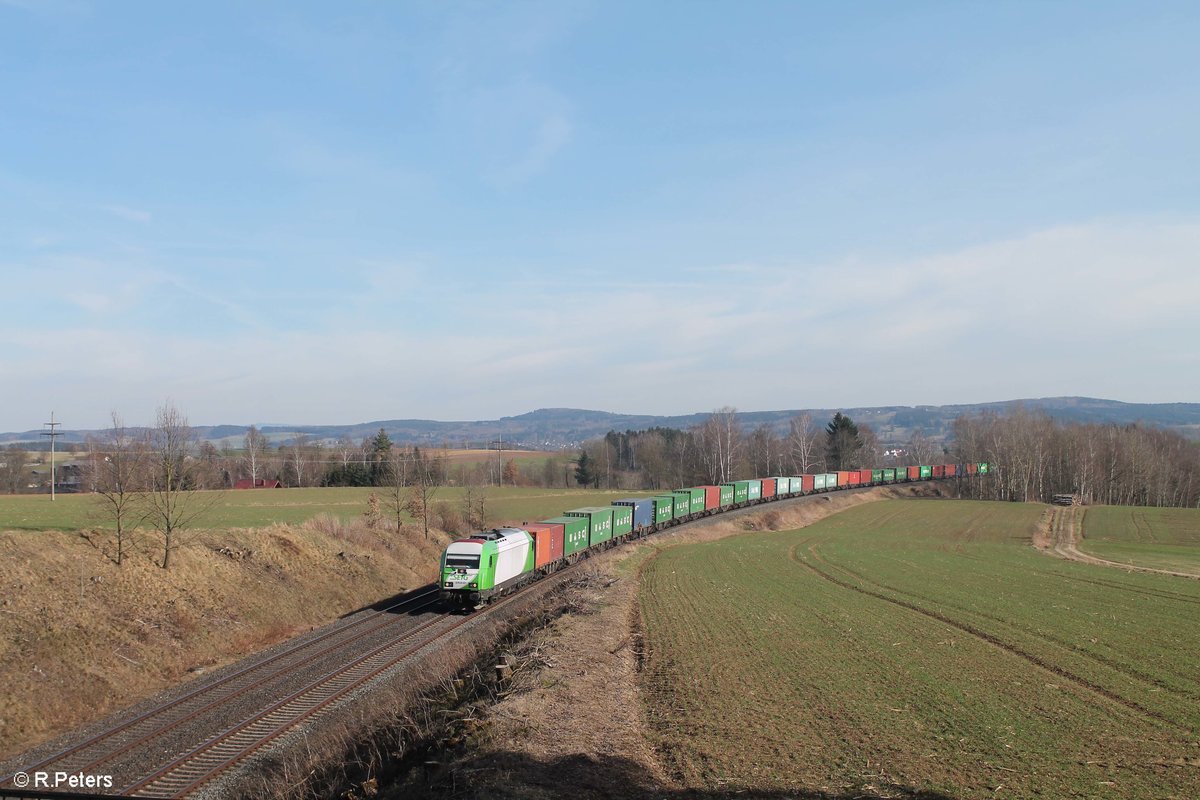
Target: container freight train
(488,564)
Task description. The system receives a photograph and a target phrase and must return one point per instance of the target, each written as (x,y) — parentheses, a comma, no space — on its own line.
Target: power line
(53,434)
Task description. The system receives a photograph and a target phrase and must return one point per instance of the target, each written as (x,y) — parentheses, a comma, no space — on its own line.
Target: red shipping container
(768,487)
(951,470)
(864,476)
(847,479)
(972,469)
(547,542)
(914,473)
(712,497)
(806,483)
(939,470)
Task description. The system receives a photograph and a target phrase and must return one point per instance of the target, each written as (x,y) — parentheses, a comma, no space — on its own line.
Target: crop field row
(1162,538)
(920,646)
(254,508)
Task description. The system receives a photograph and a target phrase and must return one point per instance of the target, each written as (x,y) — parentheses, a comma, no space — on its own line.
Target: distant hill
(552,428)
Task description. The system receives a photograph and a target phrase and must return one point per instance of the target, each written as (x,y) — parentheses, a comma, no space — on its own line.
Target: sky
(326,213)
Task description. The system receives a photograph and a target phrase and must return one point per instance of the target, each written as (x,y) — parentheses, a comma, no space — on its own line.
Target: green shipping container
(726,495)
(983,468)
(926,472)
(740,488)
(753,489)
(831,480)
(600,523)
(575,533)
(695,498)
(664,507)
(889,475)
(818,481)
(876,476)
(622,520)
(683,502)
(797,485)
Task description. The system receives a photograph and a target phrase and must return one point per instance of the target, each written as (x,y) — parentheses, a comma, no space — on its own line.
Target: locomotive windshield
(470,562)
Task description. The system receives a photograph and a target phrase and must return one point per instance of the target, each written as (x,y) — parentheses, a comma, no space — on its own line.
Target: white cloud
(1104,309)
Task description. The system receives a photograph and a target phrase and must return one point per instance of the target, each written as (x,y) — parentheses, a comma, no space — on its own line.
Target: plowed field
(920,647)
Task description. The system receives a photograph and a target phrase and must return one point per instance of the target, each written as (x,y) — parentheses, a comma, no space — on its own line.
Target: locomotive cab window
(470,562)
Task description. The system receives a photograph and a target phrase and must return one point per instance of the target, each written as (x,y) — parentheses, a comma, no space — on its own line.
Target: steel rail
(224,681)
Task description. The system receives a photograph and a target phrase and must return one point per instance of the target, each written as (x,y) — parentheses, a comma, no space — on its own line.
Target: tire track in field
(987,638)
(1141,527)
(1064,528)
(1123,669)
(1161,594)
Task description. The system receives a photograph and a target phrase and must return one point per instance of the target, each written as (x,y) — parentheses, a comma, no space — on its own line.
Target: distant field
(917,646)
(255,508)
(1163,538)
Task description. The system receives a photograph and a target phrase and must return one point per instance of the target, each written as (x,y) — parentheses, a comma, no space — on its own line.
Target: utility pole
(53,434)
(499,445)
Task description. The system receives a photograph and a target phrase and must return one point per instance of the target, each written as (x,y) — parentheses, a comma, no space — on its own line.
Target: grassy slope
(80,637)
(921,645)
(255,508)
(1163,538)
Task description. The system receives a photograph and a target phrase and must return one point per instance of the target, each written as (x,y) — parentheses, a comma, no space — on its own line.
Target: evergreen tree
(381,445)
(381,451)
(842,442)
(584,474)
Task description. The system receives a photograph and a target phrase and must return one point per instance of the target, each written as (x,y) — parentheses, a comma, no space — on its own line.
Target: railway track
(105,749)
(191,770)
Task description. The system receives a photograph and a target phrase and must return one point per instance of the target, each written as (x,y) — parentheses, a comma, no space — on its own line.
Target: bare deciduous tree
(116,472)
(12,468)
(299,454)
(920,449)
(256,446)
(171,501)
(425,482)
(803,444)
(719,440)
(396,490)
(474,505)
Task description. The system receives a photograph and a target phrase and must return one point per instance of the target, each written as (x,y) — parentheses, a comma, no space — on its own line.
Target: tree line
(721,449)
(1035,457)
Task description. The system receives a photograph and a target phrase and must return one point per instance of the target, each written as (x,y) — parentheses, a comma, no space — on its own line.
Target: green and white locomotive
(476,569)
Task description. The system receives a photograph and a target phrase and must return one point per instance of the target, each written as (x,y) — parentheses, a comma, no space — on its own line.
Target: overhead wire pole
(53,434)
(499,445)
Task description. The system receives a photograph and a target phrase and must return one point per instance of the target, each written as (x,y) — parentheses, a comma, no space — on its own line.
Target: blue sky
(329,213)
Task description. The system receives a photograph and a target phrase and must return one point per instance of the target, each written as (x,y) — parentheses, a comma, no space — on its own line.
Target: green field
(1162,538)
(915,646)
(259,507)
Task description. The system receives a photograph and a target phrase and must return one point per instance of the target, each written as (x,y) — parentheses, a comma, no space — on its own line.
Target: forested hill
(552,428)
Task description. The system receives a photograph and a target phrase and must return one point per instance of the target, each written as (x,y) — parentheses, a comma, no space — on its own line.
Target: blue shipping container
(643,510)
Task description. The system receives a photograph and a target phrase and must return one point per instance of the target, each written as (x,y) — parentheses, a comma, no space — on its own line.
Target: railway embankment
(81,637)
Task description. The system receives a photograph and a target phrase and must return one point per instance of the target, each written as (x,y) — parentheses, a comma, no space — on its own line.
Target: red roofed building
(257,483)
